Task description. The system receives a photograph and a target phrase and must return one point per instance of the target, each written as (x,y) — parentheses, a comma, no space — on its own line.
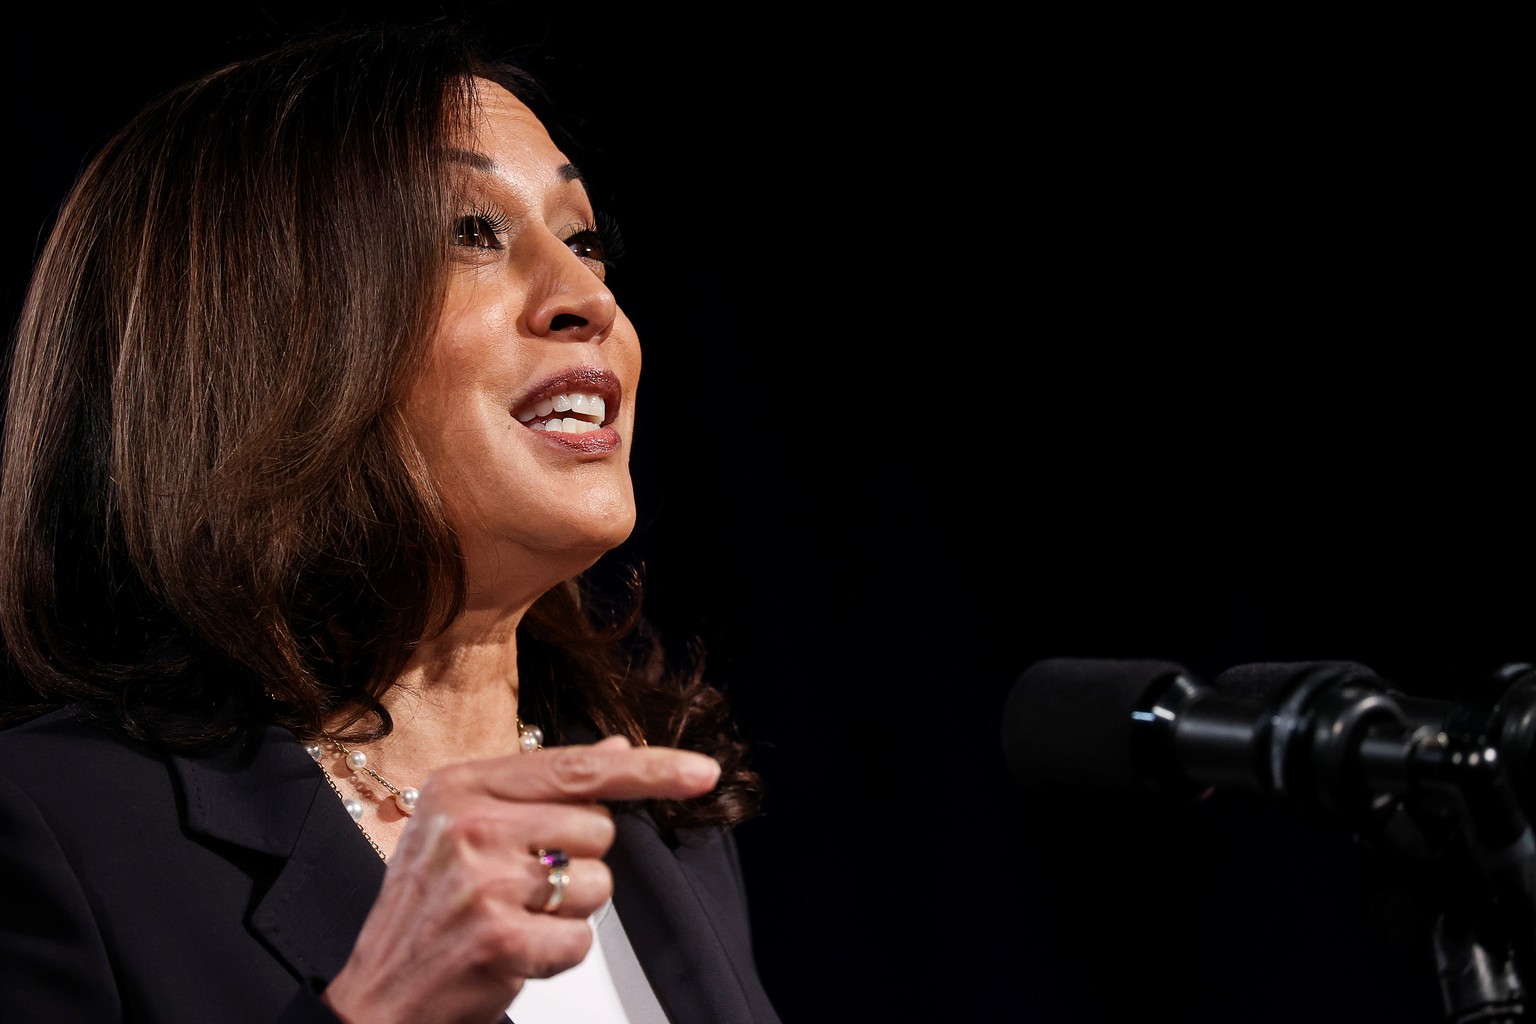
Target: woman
(319,417)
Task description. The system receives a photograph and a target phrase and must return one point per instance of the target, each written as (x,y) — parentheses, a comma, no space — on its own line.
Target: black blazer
(230,887)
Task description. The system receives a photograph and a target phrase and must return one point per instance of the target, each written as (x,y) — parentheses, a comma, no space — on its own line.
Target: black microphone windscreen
(1068,722)
(1268,681)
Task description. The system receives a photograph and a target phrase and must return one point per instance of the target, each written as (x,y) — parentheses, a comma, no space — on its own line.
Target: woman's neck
(456,701)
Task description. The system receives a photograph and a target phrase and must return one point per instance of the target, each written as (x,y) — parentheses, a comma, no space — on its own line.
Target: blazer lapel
(268,795)
(684,911)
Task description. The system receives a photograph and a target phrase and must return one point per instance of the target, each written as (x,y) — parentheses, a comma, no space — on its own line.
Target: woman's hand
(459,923)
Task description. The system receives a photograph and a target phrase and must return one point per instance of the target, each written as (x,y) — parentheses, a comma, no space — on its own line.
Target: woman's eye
(598,246)
(588,245)
(476,232)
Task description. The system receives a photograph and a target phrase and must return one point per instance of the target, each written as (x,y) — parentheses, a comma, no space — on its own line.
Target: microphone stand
(1483,939)
(1444,794)
(1453,811)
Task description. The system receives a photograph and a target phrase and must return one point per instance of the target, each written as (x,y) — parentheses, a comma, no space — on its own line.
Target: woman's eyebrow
(480,162)
(475,160)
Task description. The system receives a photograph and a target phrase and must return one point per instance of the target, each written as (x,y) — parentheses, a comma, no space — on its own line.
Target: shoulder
(123,812)
(81,766)
(81,777)
(70,737)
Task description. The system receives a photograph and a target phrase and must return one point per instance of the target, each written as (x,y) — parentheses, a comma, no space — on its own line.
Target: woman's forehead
(493,109)
(506,140)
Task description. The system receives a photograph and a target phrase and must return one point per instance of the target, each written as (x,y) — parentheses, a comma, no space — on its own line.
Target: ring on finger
(555,863)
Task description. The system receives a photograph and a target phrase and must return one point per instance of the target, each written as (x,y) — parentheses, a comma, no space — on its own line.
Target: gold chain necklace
(530,737)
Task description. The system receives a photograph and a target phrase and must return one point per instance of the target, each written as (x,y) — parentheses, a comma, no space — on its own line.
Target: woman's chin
(528,568)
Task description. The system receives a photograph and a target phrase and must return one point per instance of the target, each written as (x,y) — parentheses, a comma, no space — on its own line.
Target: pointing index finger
(610,770)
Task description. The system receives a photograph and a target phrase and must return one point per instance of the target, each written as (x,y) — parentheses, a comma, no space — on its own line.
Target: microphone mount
(1442,787)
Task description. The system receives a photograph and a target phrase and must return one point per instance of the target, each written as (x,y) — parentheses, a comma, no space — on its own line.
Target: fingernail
(697,769)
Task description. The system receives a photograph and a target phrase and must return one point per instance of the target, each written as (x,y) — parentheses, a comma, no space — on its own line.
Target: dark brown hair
(211,511)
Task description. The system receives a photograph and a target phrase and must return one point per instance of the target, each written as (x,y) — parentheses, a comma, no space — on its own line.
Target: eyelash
(467,230)
(599,240)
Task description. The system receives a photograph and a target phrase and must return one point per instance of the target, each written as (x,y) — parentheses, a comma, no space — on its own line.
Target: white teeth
(575,401)
(590,405)
(568,425)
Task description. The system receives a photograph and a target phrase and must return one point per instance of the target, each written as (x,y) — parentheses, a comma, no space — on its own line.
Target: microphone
(1333,732)
(1080,724)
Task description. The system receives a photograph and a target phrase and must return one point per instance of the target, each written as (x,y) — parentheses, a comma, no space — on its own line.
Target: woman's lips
(572,401)
(574,409)
(595,442)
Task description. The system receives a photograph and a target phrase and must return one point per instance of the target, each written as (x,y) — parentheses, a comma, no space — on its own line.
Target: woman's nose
(570,300)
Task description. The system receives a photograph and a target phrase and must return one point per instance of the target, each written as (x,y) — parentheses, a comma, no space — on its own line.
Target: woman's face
(525,410)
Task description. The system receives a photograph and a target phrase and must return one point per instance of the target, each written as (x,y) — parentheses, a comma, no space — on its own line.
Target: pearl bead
(406,799)
(532,738)
(356,760)
(354,808)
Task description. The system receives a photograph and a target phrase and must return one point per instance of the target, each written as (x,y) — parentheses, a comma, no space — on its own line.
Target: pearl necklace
(530,737)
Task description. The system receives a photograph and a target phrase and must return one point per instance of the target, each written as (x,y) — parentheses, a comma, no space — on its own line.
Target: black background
(974,340)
